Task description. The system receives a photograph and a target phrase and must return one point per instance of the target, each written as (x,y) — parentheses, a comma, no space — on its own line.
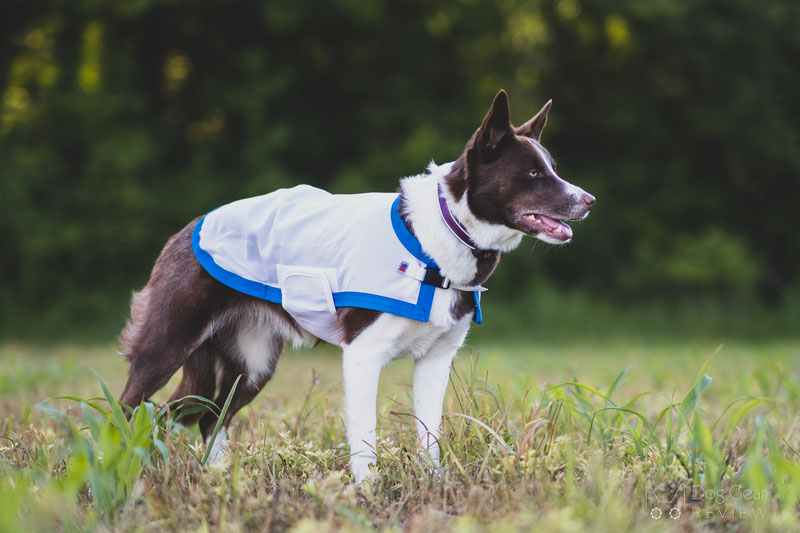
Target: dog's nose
(588,199)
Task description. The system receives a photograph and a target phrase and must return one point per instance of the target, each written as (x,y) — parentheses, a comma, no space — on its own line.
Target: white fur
(255,340)
(431,344)
(220,447)
(545,159)
(573,190)
(454,258)
(253,317)
(133,328)
(256,350)
(486,235)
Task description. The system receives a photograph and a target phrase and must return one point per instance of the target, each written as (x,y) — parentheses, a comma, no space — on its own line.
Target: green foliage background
(121,121)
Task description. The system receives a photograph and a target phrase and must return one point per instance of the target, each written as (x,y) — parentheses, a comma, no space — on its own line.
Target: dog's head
(511,179)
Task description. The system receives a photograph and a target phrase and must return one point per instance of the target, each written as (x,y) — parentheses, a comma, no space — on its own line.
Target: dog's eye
(533,173)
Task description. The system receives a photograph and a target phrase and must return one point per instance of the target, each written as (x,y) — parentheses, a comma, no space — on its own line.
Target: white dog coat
(312,251)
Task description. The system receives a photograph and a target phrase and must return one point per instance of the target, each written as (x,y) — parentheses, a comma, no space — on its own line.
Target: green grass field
(622,435)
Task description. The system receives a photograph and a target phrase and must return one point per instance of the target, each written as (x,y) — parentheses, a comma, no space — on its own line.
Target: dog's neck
(420,209)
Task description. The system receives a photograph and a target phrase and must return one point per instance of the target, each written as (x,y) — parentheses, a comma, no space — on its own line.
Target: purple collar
(459,230)
(455,226)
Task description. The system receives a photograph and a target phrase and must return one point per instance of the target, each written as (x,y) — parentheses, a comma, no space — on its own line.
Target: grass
(560,436)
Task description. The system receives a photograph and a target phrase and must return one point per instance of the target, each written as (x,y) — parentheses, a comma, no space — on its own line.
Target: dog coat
(312,251)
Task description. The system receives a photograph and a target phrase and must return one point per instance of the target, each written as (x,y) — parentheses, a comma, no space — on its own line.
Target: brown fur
(185,318)
(354,320)
(494,172)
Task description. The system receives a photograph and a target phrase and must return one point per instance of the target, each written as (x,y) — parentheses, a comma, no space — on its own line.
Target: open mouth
(555,229)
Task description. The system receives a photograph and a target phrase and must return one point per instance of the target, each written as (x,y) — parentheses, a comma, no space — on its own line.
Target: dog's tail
(132,331)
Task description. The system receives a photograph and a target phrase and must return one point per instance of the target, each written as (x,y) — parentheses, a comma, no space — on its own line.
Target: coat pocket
(307,295)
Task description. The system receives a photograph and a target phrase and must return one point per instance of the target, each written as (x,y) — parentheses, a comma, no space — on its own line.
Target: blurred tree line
(121,121)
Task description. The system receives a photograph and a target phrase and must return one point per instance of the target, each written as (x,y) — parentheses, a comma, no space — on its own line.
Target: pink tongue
(549,222)
(555,224)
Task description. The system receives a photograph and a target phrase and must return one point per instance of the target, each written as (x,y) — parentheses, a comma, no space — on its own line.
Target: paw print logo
(655,513)
(674,513)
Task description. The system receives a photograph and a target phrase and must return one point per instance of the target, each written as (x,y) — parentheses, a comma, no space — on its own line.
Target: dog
(218,307)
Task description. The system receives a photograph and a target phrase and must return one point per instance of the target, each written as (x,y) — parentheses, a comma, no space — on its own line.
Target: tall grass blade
(118,417)
(220,418)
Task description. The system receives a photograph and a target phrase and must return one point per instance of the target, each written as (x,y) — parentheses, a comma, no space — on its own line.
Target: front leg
(361,373)
(431,375)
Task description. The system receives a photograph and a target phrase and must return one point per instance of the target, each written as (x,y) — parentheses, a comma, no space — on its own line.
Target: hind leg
(164,337)
(253,354)
(199,379)
(170,318)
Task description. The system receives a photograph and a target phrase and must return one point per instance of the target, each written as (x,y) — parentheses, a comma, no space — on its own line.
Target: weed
(571,456)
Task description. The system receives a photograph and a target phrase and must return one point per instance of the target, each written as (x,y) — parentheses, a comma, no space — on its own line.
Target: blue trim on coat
(412,244)
(406,238)
(234,281)
(420,310)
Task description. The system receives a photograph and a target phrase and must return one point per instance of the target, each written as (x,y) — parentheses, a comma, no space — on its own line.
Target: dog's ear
(533,128)
(496,126)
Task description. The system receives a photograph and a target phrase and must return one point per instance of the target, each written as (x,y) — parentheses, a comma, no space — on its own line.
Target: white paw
(219,449)
(360,467)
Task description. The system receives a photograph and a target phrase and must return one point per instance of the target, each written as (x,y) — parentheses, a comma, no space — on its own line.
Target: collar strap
(431,275)
(435,278)
(458,229)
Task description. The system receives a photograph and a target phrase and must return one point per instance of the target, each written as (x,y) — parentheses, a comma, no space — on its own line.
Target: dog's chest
(406,338)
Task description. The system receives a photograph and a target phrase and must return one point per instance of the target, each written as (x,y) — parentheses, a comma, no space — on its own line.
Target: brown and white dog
(502,187)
